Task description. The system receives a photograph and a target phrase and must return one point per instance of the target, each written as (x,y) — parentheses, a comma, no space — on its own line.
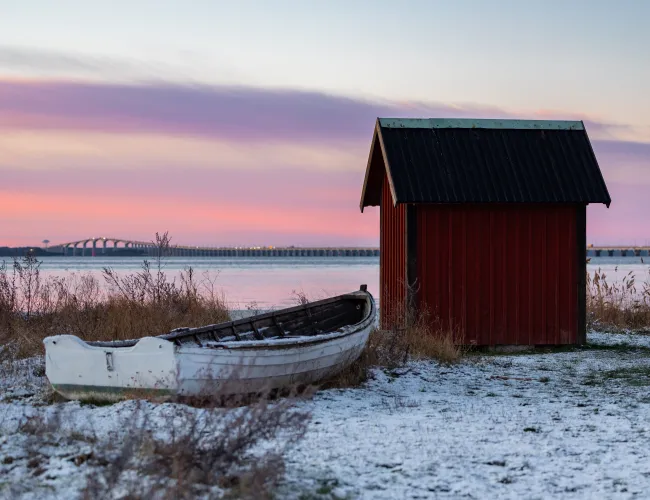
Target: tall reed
(619,305)
(143,303)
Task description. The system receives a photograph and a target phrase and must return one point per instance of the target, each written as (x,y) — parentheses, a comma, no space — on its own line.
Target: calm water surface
(270,281)
(267,281)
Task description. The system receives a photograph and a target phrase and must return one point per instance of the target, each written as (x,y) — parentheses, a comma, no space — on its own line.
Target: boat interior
(304,320)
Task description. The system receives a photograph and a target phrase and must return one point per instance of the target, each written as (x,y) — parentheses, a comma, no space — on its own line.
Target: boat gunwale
(289,342)
(273,342)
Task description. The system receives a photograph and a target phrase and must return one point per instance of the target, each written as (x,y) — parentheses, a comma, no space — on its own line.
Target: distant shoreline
(42,252)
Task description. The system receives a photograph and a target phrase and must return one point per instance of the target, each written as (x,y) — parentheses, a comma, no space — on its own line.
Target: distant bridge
(616,251)
(104,246)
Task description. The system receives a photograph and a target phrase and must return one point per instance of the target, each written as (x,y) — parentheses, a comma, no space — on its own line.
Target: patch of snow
(22,378)
(613,339)
(520,426)
(570,425)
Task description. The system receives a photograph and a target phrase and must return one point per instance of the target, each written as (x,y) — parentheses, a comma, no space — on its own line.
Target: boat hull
(239,371)
(156,367)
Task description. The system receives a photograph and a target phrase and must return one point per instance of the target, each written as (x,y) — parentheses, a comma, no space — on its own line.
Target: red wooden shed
(483,224)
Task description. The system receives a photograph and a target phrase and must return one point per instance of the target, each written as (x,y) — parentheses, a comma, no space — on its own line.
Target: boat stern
(78,370)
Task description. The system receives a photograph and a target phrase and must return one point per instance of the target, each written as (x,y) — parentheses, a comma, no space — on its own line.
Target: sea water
(272,282)
(262,282)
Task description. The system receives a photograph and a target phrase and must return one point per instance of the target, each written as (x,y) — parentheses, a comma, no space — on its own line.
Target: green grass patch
(324,491)
(535,350)
(638,376)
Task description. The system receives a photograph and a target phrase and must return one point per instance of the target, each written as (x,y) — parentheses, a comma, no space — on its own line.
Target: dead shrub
(208,453)
(129,306)
(170,451)
(618,306)
(37,443)
(40,426)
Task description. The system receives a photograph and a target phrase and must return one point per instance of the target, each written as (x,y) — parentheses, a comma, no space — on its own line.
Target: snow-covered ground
(546,425)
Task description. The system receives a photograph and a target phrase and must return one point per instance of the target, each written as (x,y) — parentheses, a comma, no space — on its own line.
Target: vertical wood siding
(392,245)
(499,274)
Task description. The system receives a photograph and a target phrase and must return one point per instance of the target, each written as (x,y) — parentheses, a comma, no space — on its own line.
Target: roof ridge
(483,123)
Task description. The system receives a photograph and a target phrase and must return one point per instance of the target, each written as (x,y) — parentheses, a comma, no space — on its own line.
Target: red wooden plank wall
(501,275)
(392,246)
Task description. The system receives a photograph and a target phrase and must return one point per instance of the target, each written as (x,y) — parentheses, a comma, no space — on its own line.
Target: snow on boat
(297,345)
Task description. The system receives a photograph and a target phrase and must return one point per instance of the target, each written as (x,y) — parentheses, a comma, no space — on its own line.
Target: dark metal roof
(483,161)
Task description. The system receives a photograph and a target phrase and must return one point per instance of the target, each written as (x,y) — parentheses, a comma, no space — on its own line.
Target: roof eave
(386,164)
(608,201)
(362,202)
(376,139)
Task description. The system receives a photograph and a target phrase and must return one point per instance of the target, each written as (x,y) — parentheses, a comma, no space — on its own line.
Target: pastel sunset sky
(249,122)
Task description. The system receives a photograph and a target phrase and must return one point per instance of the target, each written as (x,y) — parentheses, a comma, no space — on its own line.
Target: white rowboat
(295,346)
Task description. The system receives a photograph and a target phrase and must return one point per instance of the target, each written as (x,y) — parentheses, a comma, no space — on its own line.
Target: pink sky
(235,123)
(232,165)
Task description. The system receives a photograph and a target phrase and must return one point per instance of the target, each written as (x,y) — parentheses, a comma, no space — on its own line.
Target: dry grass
(147,302)
(414,336)
(427,338)
(619,306)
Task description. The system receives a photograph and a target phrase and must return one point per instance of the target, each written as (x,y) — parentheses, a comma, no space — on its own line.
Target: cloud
(625,222)
(623,149)
(39,62)
(278,187)
(269,205)
(26,217)
(624,162)
(28,58)
(242,164)
(197,205)
(233,113)
(69,150)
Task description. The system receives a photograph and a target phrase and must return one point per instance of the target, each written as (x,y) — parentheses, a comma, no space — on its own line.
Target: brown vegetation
(206,453)
(618,306)
(412,336)
(147,302)
(183,452)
